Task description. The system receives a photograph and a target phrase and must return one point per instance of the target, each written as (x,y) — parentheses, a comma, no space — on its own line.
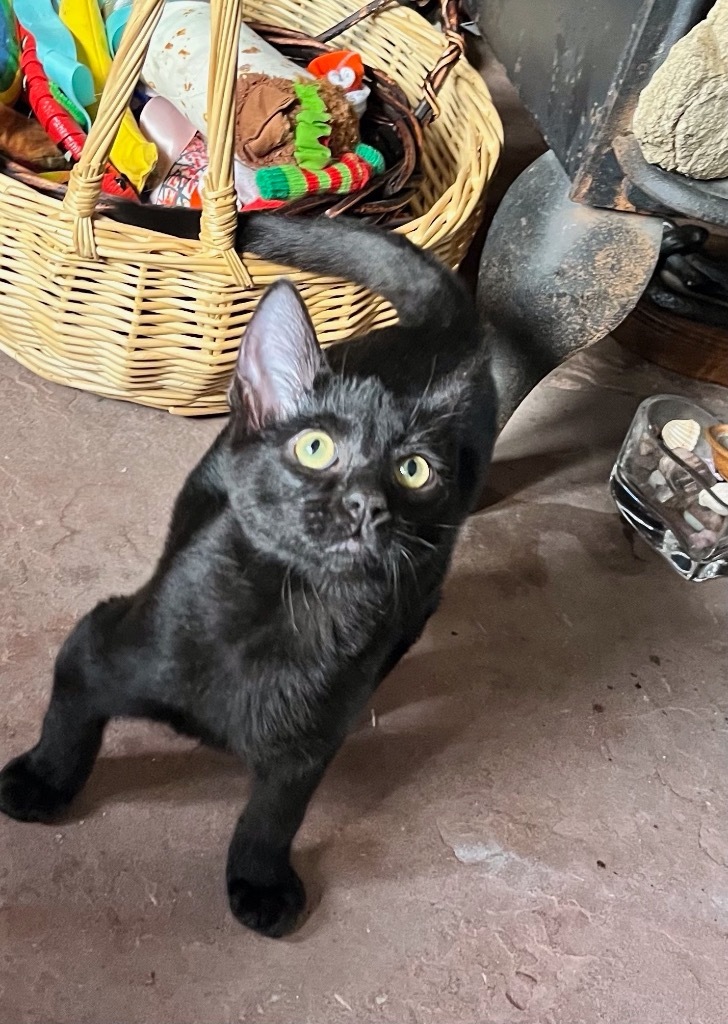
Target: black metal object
(699,200)
(688,281)
(579,67)
(556,277)
(568,256)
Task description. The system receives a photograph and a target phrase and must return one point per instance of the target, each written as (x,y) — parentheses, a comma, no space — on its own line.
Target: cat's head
(332,473)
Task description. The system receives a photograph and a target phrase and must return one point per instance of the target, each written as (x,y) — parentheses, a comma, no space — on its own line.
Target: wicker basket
(136,315)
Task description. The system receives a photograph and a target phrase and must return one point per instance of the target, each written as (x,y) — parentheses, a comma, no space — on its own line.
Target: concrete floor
(532,828)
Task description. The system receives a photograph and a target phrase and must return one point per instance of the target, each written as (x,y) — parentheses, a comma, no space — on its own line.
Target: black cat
(305,554)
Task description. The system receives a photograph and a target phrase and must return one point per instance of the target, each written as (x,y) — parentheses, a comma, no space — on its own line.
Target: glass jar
(667,488)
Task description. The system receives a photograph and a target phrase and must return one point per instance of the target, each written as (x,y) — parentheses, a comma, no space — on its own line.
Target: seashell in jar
(681,434)
(708,499)
(693,460)
(700,518)
(692,522)
(642,465)
(678,478)
(672,470)
(704,540)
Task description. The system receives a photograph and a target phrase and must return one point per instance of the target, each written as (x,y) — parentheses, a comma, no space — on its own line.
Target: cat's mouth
(352,550)
(350,546)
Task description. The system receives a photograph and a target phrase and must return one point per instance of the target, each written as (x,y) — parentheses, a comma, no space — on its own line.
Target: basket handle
(219,199)
(219,207)
(428,108)
(84,185)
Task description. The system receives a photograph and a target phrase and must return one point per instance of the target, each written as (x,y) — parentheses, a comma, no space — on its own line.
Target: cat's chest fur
(252,656)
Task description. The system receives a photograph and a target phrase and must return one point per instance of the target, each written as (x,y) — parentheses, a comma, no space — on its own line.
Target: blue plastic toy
(116,14)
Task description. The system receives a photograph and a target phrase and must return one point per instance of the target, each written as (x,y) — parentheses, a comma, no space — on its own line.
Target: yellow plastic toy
(131,153)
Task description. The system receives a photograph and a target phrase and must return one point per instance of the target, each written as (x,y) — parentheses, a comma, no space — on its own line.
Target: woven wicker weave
(135,315)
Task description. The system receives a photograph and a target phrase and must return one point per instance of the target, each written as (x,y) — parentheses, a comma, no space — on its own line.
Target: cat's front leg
(40,784)
(265,892)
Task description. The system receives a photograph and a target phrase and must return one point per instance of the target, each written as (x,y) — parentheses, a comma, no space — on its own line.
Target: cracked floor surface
(532,826)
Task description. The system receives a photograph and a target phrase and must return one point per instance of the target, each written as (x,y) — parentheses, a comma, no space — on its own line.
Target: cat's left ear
(278,360)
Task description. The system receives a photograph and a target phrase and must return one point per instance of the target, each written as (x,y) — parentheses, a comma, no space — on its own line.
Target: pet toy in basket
(296,128)
(125,311)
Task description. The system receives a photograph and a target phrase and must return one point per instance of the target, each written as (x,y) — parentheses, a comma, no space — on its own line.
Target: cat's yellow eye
(413,472)
(314,449)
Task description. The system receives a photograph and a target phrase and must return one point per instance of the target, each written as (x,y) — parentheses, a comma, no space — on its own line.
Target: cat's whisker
(318,597)
(413,570)
(342,370)
(439,526)
(395,581)
(305,598)
(286,586)
(416,540)
(428,385)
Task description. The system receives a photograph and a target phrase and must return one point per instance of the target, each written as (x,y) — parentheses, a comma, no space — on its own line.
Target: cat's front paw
(26,796)
(272,910)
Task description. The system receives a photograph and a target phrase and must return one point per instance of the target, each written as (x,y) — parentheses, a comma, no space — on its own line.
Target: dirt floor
(531,828)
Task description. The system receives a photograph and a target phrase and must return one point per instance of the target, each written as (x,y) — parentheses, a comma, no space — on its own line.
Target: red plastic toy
(57,122)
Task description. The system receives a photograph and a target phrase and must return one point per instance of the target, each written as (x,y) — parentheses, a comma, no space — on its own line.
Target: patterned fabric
(182,185)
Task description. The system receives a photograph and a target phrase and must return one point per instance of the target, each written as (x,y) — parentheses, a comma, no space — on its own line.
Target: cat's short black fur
(285,592)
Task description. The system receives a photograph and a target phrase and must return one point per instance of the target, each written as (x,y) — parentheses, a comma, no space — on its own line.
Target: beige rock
(681,119)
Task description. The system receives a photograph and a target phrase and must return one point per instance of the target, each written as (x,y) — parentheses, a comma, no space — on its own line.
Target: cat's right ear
(278,360)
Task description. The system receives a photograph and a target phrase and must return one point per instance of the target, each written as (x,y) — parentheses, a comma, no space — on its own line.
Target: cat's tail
(425,293)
